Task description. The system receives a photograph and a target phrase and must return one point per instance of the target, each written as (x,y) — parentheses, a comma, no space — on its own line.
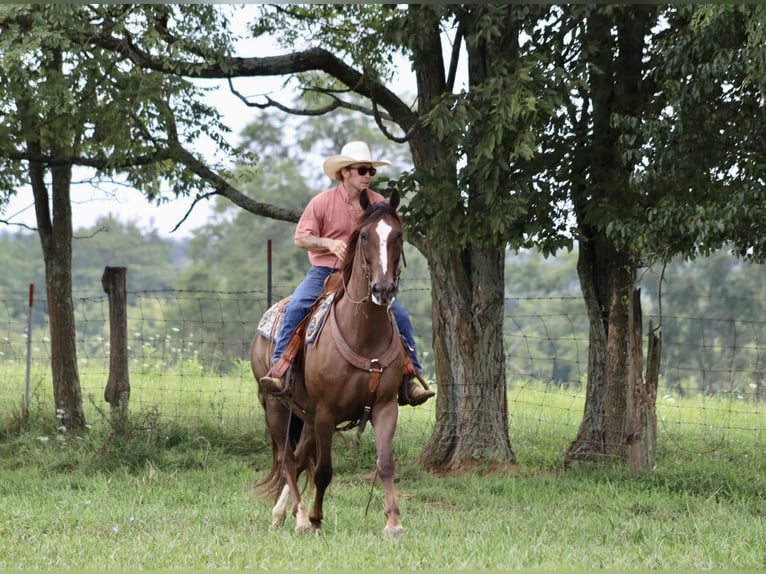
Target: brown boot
(271,384)
(413,395)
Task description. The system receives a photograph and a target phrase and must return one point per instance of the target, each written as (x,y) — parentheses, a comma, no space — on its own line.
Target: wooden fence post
(642,395)
(117,391)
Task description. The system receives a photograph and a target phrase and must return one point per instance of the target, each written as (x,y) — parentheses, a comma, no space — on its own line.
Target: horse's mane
(374,212)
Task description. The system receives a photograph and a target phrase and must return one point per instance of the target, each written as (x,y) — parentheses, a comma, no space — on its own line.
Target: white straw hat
(352,152)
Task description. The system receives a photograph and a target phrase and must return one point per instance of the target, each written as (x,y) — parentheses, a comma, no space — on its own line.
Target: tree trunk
(612,53)
(471,405)
(607,279)
(467,282)
(117,391)
(56,238)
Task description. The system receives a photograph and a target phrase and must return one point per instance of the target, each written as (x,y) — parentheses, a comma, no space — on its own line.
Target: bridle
(368,275)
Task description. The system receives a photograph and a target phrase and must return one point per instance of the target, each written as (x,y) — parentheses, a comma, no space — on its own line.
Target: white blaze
(383,230)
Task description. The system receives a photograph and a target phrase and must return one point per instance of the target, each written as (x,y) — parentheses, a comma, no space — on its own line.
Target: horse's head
(377,246)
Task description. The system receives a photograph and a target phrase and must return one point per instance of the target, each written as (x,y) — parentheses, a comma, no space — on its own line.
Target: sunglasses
(364,170)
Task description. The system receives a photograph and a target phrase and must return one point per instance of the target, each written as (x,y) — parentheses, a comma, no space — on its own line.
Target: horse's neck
(367,327)
(361,320)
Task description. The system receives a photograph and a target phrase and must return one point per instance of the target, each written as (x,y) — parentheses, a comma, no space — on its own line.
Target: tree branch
(313,59)
(222,187)
(335,103)
(101,164)
(24,225)
(455,56)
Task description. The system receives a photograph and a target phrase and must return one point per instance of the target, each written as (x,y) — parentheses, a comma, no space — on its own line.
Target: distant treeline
(712,311)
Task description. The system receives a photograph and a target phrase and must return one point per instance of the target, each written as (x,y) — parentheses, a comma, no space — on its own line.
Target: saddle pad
(318,318)
(271,322)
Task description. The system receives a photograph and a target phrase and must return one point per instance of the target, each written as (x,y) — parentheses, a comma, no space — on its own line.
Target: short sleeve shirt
(330,214)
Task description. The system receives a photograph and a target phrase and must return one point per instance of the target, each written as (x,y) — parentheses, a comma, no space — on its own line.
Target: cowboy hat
(352,152)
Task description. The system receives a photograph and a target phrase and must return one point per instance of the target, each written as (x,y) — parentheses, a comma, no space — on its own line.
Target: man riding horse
(323,231)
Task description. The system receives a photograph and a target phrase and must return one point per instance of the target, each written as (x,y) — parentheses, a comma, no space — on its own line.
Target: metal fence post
(29,346)
(268,274)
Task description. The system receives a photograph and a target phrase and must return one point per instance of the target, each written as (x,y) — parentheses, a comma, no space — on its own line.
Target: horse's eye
(364,237)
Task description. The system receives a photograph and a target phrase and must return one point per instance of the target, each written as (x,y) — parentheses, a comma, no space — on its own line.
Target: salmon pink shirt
(333,215)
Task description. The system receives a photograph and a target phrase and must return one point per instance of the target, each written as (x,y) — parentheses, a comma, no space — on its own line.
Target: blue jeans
(309,290)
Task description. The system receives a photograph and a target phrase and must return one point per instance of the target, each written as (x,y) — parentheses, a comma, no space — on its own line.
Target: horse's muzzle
(383,293)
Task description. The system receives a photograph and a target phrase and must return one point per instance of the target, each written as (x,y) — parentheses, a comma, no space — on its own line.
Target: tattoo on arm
(318,242)
(312,243)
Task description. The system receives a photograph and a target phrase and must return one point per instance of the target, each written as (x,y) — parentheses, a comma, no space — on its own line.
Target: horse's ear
(394,199)
(364,200)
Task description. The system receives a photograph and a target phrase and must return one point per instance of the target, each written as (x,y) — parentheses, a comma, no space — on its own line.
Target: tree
(598,53)
(69,104)
(659,157)
(703,170)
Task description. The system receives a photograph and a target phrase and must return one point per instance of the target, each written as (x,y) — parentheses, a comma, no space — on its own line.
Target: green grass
(177,492)
(80,504)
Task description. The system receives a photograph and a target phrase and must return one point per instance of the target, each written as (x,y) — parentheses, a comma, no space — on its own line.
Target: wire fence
(189,361)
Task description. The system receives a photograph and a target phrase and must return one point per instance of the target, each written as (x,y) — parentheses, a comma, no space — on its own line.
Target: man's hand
(337,247)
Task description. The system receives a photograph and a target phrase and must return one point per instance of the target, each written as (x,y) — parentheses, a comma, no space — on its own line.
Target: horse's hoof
(304,528)
(393,531)
(277,523)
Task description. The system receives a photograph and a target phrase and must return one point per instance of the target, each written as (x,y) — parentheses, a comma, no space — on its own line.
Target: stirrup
(277,380)
(411,394)
(271,384)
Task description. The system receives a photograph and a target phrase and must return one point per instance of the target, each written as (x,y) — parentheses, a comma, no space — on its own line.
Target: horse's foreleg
(302,522)
(324,428)
(384,422)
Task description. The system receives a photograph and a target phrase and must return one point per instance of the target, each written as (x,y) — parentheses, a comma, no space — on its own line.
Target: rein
(369,288)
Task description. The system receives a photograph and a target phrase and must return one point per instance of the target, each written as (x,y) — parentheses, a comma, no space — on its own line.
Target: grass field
(178,493)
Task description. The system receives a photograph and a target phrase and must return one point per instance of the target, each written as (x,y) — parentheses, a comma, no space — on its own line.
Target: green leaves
(75,87)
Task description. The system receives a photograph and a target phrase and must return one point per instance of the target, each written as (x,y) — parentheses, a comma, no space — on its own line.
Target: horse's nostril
(383,293)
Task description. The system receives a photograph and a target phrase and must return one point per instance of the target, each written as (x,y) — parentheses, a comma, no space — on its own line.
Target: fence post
(641,408)
(117,391)
(27,398)
(268,274)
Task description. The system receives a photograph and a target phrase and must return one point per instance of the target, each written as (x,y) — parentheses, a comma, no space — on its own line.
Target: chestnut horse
(349,373)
